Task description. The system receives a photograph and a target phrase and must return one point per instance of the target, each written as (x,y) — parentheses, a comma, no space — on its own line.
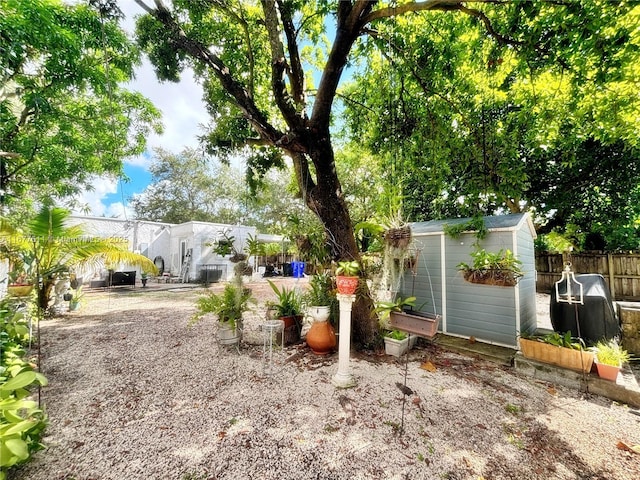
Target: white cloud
(93,199)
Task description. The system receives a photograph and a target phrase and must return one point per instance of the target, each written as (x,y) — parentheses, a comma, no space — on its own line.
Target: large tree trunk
(323,195)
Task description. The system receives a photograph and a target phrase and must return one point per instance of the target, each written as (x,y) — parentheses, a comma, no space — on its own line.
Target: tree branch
(279,65)
(236,90)
(347,31)
(296,75)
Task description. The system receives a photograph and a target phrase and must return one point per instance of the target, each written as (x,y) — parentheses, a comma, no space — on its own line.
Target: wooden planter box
(417,323)
(577,360)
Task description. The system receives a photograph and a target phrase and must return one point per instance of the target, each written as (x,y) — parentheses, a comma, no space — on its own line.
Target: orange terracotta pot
(321,338)
(608,372)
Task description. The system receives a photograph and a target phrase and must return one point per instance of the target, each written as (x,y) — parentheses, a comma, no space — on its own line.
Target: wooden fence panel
(620,271)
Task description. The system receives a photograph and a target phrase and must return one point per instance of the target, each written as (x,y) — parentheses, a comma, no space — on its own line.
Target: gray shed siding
(482,311)
(428,277)
(488,313)
(527,284)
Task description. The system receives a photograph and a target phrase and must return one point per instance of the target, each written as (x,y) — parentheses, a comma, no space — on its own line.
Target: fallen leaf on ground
(428,366)
(552,390)
(628,448)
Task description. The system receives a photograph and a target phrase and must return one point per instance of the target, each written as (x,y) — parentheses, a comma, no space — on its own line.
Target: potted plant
(396,343)
(321,302)
(228,307)
(557,349)
(347,279)
(288,308)
(609,358)
(78,295)
(399,314)
(489,268)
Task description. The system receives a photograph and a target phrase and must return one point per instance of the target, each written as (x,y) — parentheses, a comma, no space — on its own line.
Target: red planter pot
(347,285)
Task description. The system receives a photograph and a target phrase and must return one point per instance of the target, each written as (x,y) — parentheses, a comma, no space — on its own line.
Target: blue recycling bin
(298,269)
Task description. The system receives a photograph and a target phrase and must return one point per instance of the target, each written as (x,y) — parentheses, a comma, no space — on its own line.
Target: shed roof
(494,223)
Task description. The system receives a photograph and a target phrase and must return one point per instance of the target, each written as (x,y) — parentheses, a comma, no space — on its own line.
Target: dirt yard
(135,393)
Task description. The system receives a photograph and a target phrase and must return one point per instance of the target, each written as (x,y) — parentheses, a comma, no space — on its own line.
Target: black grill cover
(597,316)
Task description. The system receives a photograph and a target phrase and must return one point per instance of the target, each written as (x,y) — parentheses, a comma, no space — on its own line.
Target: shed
(489,313)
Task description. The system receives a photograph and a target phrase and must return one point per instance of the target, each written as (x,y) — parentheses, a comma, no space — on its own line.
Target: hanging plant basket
(398,237)
(500,278)
(237,257)
(19,289)
(417,323)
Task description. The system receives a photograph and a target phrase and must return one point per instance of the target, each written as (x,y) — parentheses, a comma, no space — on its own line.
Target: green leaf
(18,447)
(22,380)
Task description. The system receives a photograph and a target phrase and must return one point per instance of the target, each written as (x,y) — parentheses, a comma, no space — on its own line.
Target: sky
(183,112)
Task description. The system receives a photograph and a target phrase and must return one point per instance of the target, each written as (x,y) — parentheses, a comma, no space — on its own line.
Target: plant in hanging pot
(228,307)
(21,280)
(501,268)
(321,303)
(76,299)
(347,279)
(288,308)
(609,358)
(400,314)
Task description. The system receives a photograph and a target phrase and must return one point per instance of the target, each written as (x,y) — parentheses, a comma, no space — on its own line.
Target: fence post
(612,276)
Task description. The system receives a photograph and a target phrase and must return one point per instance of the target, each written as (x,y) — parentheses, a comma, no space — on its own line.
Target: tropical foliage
(54,248)
(22,421)
(228,306)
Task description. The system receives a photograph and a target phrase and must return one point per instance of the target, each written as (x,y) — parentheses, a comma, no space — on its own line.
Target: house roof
(494,223)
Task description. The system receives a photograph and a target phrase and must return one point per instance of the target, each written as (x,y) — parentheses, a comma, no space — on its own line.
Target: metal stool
(273,339)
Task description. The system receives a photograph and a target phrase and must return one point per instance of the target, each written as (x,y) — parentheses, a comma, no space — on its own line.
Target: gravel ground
(136,394)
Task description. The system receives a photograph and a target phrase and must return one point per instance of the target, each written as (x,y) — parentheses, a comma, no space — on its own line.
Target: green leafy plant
(558,339)
(228,306)
(384,309)
(254,246)
(321,291)
(475,224)
(348,268)
(396,335)
(78,295)
(289,301)
(499,268)
(611,353)
(21,420)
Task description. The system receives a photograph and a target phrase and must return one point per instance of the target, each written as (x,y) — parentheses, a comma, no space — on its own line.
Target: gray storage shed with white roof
(493,314)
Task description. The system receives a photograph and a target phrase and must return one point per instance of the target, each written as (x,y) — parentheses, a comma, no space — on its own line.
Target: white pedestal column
(343,378)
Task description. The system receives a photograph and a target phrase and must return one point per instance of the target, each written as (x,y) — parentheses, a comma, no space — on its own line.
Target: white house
(184,251)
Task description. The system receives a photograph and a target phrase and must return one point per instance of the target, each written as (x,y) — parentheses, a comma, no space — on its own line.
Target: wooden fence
(621,271)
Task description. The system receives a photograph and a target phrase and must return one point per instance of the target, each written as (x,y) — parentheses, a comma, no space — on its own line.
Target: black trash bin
(597,316)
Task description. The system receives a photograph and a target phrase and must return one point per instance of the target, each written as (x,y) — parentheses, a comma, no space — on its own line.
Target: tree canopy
(499,127)
(64,115)
(194,186)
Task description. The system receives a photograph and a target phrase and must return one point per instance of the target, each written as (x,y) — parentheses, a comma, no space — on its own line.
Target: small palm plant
(57,248)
